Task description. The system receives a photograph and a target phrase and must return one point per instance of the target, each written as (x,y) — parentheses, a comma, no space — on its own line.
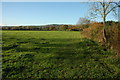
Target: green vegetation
(55,54)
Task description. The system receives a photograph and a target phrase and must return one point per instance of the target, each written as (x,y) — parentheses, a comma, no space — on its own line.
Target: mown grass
(55,54)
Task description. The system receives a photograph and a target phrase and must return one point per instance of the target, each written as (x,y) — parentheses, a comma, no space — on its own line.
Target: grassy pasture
(55,54)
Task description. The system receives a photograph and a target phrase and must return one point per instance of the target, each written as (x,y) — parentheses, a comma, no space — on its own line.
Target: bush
(95,31)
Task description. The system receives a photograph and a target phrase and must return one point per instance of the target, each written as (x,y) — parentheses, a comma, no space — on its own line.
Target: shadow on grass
(59,46)
(66,55)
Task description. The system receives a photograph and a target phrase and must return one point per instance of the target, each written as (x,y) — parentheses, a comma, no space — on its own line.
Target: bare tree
(83,21)
(102,9)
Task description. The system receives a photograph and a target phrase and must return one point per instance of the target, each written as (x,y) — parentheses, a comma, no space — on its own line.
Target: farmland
(55,54)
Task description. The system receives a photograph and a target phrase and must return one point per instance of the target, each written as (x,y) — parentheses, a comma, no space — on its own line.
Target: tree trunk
(104,32)
(104,35)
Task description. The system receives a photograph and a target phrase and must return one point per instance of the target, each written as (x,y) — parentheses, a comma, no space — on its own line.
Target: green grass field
(55,54)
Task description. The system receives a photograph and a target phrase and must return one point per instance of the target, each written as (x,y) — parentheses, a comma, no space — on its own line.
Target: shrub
(95,31)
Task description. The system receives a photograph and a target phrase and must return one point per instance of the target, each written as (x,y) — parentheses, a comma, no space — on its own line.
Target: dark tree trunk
(104,36)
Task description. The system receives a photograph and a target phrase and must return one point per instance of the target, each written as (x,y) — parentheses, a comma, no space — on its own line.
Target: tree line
(45,28)
(55,27)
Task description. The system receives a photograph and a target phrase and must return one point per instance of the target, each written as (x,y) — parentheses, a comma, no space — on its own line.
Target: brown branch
(111,9)
(107,6)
